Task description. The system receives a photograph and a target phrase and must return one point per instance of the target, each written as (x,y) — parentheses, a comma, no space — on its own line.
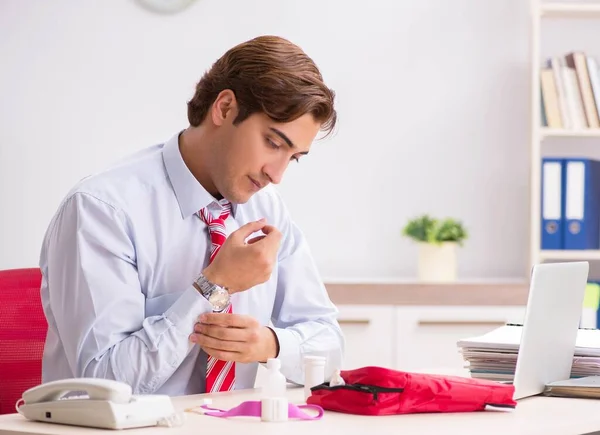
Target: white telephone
(107,404)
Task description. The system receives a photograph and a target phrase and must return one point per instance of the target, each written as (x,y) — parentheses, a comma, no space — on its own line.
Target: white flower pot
(437,263)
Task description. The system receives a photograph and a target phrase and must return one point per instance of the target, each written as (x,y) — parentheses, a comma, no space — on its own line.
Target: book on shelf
(570,92)
(570,204)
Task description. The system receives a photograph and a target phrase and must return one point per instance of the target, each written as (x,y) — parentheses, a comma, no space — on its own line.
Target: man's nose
(274,171)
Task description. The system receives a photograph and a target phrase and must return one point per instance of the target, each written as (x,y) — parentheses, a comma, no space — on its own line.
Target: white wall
(432,97)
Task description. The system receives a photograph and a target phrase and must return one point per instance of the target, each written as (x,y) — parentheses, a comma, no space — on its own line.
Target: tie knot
(208,218)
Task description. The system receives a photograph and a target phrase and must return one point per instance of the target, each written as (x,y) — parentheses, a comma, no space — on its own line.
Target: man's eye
(272,144)
(296,158)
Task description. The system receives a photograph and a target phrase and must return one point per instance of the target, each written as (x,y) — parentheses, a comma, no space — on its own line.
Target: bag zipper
(374,390)
(363,388)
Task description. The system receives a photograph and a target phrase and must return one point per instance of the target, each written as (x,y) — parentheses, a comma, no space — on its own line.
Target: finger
(255,239)
(272,233)
(229,320)
(272,237)
(220,345)
(251,227)
(221,333)
(267,229)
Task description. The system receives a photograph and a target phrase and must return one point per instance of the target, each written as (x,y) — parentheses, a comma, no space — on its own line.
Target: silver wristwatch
(218,296)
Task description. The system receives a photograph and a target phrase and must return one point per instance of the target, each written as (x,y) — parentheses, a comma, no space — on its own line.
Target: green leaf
(424,228)
(451,230)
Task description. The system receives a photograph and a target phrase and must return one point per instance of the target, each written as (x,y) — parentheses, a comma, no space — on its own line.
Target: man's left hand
(234,337)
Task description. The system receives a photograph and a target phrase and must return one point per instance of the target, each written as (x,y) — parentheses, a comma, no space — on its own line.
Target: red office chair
(23,329)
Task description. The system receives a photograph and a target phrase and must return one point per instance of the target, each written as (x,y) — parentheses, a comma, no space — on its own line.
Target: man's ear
(224,109)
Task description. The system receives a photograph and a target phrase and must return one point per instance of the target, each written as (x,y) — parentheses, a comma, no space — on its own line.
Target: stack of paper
(494,355)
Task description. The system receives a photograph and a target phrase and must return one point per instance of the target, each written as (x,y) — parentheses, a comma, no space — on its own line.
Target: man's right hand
(239,265)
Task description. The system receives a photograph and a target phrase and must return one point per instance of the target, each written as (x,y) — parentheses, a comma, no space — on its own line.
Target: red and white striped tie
(220,375)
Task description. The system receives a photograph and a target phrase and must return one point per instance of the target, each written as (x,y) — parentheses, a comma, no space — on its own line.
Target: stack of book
(570,92)
(493,356)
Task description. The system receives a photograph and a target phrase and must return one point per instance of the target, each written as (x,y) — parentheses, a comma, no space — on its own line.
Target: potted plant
(437,241)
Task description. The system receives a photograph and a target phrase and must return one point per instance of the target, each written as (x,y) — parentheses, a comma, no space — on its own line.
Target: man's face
(250,155)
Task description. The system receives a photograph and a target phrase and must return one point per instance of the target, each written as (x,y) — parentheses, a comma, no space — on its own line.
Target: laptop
(550,326)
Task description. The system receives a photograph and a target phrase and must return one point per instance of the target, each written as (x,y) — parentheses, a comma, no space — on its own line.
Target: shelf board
(570,10)
(499,292)
(569,254)
(559,132)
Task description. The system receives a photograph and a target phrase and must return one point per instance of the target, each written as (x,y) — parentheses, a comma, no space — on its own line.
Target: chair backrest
(23,328)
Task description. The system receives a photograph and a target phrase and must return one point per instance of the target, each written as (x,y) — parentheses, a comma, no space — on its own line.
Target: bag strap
(252,408)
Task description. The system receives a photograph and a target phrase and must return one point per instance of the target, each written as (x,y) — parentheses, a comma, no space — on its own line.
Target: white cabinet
(369,331)
(427,335)
(416,337)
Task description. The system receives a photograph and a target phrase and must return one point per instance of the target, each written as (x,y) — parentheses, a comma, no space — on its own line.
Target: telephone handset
(105,404)
(96,389)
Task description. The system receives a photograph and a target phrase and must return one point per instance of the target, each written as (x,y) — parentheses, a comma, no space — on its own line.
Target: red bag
(381,391)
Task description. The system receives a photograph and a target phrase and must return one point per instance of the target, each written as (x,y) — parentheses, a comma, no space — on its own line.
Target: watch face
(219,299)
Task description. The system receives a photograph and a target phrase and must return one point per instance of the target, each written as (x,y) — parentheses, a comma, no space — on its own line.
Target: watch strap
(205,286)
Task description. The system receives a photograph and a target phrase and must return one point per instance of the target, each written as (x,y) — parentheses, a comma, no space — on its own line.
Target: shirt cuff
(289,351)
(185,311)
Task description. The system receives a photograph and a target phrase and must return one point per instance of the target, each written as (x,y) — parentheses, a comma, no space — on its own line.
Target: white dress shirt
(118,262)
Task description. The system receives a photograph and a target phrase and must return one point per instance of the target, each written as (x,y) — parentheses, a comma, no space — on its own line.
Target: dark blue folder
(582,210)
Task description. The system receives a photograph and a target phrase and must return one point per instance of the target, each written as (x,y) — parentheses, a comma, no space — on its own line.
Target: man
(164,271)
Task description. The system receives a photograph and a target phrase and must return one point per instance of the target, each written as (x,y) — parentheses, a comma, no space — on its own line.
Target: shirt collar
(190,194)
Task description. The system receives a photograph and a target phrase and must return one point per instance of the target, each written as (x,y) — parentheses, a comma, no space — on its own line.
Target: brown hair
(267,74)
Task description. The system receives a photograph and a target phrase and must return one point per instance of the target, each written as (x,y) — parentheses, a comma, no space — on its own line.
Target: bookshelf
(546,132)
(547,255)
(567,10)
(543,10)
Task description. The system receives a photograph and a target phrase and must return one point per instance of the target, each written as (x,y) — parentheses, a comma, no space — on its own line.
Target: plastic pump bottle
(274,403)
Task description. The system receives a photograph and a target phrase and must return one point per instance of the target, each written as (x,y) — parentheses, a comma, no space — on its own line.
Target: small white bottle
(314,372)
(274,403)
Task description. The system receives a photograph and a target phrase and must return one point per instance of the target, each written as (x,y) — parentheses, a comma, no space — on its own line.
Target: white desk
(535,415)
